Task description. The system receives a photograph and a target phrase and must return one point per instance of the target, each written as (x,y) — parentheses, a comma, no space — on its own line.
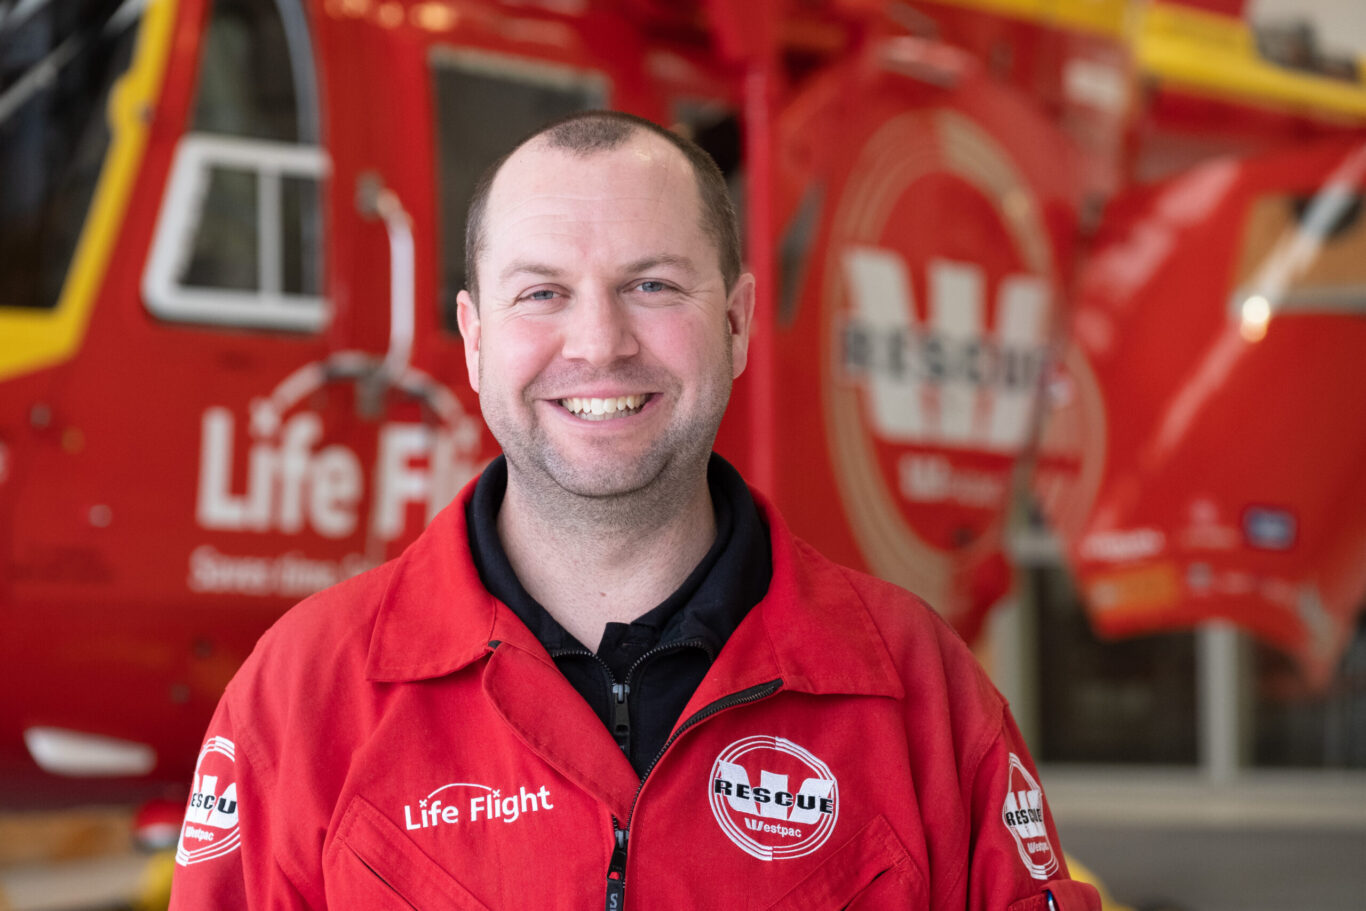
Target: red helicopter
(230,375)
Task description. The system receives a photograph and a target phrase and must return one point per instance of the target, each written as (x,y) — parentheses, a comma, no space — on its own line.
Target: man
(752,727)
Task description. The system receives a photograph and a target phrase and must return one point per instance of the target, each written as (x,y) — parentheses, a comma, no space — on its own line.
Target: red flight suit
(402,740)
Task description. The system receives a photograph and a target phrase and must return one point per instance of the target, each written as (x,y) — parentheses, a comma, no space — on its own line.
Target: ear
(467,317)
(739,318)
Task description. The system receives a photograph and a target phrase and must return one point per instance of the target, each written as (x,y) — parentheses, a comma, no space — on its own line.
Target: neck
(594,561)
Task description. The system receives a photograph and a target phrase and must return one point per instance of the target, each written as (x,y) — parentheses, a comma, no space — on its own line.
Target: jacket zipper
(620,708)
(621,730)
(621,717)
(616,869)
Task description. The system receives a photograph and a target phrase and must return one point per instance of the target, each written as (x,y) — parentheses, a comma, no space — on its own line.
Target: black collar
(708,606)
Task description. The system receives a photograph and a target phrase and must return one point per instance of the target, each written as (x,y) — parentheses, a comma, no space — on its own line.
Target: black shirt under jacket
(643,672)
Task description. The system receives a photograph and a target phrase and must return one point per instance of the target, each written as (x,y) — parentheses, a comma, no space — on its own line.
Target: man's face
(604,344)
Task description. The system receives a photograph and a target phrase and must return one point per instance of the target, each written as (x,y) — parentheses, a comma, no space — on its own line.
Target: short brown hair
(589,132)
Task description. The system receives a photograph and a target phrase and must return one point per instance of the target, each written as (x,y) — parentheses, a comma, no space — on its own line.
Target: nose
(599,329)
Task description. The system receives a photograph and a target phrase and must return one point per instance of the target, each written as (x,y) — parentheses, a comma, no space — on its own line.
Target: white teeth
(602,409)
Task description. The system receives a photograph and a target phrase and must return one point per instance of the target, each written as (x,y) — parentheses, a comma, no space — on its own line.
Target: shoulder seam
(267,773)
(850,577)
(971,768)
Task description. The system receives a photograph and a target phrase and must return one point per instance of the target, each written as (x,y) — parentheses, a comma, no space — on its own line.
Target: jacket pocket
(376,866)
(869,872)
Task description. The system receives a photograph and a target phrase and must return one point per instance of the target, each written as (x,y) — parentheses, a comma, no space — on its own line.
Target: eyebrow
(529,267)
(672,260)
(644,264)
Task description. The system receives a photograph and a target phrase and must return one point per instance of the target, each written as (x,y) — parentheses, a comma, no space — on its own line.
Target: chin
(599,484)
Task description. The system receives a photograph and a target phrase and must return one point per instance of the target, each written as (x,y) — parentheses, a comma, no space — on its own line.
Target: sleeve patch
(210,827)
(1023,816)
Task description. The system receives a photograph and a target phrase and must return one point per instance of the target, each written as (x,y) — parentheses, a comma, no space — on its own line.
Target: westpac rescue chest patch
(773,798)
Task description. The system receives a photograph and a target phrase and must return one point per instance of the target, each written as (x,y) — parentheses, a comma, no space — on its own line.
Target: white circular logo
(773,798)
(210,827)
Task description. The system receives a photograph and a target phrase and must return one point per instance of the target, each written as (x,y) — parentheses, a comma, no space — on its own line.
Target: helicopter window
(246,87)
(224,252)
(301,254)
(484,104)
(58,62)
(239,239)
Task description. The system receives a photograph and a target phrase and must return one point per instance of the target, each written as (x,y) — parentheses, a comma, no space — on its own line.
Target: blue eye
(652,286)
(544,294)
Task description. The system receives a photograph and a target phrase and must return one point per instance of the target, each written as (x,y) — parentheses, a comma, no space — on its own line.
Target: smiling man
(608,675)
(603,345)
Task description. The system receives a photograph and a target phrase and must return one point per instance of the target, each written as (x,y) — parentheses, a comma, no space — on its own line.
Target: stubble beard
(633,498)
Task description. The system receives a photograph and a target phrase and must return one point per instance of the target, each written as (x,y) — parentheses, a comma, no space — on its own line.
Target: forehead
(547,201)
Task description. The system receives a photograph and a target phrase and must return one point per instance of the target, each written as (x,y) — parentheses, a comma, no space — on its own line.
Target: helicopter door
(239,241)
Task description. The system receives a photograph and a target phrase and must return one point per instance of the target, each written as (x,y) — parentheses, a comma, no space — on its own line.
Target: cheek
(706,355)
(687,345)
(516,355)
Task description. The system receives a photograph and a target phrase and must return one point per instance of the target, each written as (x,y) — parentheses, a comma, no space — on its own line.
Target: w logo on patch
(1022,813)
(769,820)
(210,828)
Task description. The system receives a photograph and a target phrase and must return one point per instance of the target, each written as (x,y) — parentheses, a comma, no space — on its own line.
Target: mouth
(593,409)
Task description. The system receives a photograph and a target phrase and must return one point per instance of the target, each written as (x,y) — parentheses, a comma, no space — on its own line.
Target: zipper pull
(621,717)
(616,872)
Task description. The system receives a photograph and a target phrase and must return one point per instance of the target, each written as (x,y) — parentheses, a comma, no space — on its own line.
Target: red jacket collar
(811,630)
(435,616)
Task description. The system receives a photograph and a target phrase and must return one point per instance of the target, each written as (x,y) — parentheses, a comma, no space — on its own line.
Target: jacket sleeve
(225,858)
(1016,861)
